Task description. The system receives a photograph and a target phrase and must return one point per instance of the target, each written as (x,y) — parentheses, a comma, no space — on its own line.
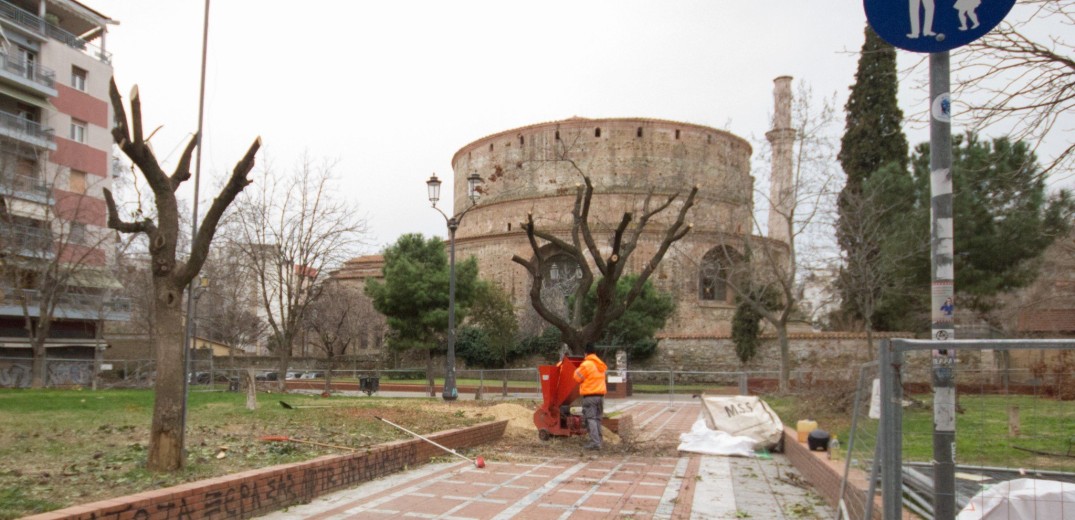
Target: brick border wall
(256,492)
(825,475)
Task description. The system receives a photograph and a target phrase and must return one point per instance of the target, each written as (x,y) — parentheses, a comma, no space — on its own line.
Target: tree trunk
(785,357)
(283,353)
(328,372)
(429,373)
(166,434)
(37,365)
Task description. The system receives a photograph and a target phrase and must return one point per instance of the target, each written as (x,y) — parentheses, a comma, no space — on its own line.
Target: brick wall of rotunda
(532,170)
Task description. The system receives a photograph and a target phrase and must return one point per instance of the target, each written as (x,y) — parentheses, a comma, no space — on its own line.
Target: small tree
(50,261)
(170,273)
(339,318)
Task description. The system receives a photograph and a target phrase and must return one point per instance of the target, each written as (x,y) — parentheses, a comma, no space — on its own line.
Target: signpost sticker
(934,25)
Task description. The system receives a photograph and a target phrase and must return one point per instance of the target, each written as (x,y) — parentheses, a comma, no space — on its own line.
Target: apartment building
(55,162)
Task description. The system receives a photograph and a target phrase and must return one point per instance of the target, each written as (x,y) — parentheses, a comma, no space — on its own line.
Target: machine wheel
(544,434)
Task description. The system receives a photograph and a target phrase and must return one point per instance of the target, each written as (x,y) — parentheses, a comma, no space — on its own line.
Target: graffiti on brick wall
(245,498)
(64,373)
(15,375)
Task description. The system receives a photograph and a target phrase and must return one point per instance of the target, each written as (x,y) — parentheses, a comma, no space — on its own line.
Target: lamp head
(433,185)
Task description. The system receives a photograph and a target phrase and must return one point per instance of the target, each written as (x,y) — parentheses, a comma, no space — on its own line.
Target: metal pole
(891,478)
(450,393)
(943,287)
(194,233)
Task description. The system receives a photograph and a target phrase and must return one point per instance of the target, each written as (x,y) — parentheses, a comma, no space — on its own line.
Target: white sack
(711,442)
(1023,499)
(744,415)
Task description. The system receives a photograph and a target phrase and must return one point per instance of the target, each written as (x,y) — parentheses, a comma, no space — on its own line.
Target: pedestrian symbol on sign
(934,25)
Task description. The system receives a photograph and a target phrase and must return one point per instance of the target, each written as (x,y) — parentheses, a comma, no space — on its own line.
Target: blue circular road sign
(934,25)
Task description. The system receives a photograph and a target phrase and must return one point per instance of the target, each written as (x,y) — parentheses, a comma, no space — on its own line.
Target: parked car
(266,376)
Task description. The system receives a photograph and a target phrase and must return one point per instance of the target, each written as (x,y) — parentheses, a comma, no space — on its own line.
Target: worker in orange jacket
(591,378)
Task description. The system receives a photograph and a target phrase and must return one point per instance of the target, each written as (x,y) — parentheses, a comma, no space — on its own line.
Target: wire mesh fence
(1014,427)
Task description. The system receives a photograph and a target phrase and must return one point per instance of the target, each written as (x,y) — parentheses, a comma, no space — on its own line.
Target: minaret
(782,140)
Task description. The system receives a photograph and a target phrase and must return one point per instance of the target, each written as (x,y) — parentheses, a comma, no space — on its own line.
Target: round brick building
(535,169)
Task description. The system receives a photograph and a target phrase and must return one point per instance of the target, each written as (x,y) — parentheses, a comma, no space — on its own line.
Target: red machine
(559,390)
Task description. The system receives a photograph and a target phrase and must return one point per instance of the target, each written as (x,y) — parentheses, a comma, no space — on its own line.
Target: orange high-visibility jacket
(591,375)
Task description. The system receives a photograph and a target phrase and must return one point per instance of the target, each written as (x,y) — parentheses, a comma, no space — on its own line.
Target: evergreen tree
(873,139)
(873,135)
(634,330)
(1003,218)
(414,294)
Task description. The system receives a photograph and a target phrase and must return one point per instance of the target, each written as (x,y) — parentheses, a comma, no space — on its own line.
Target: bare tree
(878,223)
(291,231)
(170,273)
(229,309)
(55,260)
(582,244)
(339,319)
(1021,76)
(796,207)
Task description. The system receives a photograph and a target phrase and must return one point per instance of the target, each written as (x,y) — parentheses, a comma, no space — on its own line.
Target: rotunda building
(536,170)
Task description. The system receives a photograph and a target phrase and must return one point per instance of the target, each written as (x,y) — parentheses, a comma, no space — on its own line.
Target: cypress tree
(873,134)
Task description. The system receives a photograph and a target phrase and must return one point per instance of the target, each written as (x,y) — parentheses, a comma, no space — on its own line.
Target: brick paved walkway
(588,486)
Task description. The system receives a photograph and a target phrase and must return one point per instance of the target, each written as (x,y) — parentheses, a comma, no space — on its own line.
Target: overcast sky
(392,89)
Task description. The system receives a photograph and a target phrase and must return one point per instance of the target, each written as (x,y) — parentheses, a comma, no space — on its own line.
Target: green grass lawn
(982,438)
(65,447)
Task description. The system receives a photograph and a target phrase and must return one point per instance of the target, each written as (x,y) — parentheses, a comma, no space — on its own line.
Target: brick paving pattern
(635,486)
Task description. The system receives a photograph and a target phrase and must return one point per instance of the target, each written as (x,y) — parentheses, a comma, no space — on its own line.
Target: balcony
(26,131)
(71,305)
(41,80)
(23,240)
(31,22)
(25,187)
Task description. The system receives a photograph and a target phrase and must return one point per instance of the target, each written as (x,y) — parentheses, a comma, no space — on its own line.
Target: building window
(677,134)
(597,132)
(78,78)
(639,132)
(77,182)
(78,233)
(78,131)
(713,274)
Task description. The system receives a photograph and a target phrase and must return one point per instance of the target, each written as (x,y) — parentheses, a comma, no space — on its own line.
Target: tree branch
(115,222)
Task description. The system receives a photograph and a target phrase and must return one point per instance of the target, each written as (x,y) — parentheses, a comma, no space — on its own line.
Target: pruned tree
(1020,77)
(610,261)
(170,273)
(291,232)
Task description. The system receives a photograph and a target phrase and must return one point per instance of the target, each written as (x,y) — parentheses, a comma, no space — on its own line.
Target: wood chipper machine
(559,390)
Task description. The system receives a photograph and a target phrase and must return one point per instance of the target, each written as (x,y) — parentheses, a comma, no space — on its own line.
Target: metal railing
(37,24)
(17,183)
(35,73)
(25,128)
(20,237)
(90,302)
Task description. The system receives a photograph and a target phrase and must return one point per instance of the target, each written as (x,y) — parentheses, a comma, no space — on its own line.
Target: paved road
(586,485)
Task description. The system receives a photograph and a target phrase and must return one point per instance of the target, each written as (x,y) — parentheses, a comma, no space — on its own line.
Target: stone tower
(781,184)
(625,158)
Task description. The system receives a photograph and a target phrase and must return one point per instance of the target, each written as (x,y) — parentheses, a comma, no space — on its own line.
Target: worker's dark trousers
(593,408)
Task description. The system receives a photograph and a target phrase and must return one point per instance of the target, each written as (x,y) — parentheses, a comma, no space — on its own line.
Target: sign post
(936,27)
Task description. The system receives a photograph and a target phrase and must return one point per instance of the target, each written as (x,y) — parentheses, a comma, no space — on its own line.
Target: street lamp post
(474,182)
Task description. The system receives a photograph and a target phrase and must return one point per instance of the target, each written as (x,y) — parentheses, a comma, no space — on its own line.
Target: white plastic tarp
(712,442)
(744,415)
(1023,499)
